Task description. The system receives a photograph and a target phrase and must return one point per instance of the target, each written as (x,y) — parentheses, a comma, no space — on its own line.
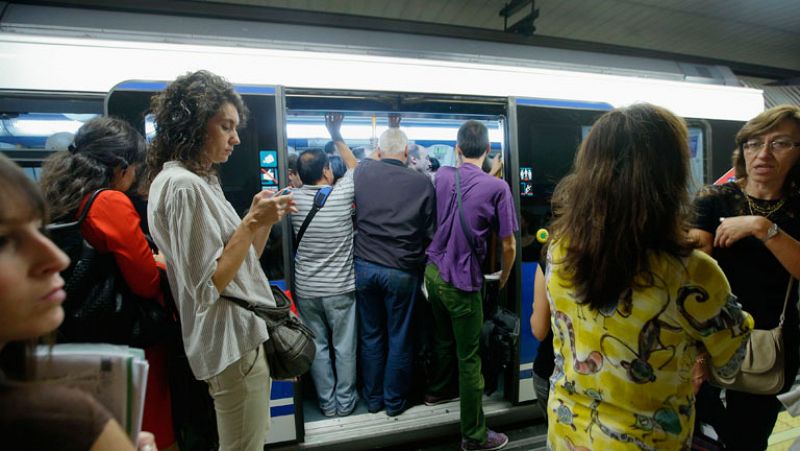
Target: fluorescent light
(364,132)
(32,127)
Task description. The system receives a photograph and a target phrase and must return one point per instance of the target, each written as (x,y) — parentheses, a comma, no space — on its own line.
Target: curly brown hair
(182,112)
(625,197)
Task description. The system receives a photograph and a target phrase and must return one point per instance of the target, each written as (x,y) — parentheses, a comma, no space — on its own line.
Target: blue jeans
(385,298)
(333,320)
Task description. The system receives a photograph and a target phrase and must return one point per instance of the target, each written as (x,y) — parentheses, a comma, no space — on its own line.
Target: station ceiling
(748,32)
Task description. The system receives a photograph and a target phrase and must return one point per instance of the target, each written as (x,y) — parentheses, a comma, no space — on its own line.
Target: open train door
(259,162)
(543,137)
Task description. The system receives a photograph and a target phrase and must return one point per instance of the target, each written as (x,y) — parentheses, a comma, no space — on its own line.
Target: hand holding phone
(282,192)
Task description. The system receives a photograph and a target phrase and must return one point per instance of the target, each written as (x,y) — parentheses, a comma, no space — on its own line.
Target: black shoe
(394,413)
(432,400)
(374,409)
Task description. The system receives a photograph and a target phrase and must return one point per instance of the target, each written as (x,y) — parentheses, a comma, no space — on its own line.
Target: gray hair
(393,141)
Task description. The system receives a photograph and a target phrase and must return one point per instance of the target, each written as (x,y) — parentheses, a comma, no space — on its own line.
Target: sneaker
(432,400)
(494,440)
(329,413)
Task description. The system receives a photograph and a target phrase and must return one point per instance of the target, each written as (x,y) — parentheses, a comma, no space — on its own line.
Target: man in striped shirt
(324,277)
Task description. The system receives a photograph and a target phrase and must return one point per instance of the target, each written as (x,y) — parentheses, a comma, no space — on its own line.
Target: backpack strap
(464,227)
(81,217)
(319,201)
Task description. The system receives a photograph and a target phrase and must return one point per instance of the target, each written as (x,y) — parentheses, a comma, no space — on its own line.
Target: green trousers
(458,318)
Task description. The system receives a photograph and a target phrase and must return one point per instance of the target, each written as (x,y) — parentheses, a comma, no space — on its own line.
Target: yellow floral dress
(622,377)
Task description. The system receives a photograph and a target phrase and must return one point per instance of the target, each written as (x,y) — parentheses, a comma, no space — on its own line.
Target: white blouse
(191,221)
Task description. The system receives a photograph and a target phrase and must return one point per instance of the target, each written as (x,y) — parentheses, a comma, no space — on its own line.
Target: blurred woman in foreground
(38,416)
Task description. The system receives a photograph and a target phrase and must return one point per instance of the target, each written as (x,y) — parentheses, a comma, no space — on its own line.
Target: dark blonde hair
(182,112)
(625,197)
(759,125)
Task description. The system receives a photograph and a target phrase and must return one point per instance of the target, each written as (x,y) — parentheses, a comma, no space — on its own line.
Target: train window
(437,135)
(149,127)
(46,131)
(697,159)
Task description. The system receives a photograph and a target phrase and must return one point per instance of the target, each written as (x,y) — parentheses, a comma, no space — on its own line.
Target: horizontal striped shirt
(191,221)
(324,261)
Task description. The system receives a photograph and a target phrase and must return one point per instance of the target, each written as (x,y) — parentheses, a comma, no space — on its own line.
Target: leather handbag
(290,349)
(762,371)
(100,307)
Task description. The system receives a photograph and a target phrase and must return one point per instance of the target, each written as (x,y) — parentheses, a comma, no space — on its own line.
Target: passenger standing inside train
(107,153)
(395,221)
(294,179)
(324,276)
(631,302)
(211,253)
(418,159)
(751,227)
(454,278)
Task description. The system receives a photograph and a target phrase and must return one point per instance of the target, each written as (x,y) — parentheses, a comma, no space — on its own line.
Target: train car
(60,69)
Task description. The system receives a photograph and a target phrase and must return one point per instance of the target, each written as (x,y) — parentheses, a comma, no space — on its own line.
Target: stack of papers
(115,375)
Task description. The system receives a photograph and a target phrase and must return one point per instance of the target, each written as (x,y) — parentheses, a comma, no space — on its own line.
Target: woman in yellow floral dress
(632,304)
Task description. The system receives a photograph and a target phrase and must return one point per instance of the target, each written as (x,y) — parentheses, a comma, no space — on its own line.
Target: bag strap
(319,201)
(282,303)
(81,217)
(786,300)
(463,220)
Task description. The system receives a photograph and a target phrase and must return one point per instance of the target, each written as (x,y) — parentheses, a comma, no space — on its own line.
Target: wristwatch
(771,232)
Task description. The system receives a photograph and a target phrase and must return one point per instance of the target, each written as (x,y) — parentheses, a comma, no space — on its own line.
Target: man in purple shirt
(454,278)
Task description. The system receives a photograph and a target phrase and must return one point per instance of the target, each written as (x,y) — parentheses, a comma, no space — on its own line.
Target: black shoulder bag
(290,349)
(100,307)
(500,331)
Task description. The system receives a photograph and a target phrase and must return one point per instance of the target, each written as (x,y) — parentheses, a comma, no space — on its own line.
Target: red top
(112,225)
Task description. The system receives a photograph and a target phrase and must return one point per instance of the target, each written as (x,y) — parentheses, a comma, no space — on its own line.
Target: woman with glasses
(751,227)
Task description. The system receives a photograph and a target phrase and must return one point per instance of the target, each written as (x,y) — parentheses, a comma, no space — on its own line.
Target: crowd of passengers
(639,294)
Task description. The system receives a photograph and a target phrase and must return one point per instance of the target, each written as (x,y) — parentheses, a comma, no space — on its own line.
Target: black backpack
(100,308)
(499,338)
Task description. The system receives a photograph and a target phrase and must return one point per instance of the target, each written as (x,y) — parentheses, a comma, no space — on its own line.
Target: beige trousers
(241,401)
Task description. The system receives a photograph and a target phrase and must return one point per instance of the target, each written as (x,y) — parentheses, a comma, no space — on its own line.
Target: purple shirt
(488,205)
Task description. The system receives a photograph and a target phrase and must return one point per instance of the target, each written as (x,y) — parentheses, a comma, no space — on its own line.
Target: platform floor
(785,434)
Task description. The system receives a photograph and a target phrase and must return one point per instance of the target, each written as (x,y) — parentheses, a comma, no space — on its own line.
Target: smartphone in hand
(282,192)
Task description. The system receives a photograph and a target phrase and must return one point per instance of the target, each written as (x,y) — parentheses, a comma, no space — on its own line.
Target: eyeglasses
(777,146)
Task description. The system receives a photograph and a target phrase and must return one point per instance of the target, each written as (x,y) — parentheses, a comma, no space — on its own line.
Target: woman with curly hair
(211,253)
(106,153)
